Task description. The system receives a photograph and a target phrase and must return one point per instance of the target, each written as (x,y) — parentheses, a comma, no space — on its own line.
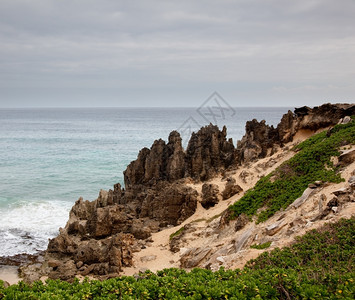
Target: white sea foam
(26,227)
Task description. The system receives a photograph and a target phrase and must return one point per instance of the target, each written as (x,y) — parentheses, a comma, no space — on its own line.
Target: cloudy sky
(176,53)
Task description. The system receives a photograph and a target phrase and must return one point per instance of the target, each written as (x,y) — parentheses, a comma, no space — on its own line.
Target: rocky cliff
(101,236)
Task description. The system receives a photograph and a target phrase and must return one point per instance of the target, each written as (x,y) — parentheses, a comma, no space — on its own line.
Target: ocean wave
(26,226)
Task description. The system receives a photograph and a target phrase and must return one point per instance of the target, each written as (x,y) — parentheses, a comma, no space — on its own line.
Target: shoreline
(10,265)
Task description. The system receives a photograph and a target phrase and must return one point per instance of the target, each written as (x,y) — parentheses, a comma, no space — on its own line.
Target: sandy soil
(9,274)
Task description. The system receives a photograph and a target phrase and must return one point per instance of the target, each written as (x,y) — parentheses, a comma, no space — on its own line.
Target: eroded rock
(274,228)
(209,195)
(231,188)
(241,221)
(306,194)
(194,256)
(346,158)
(147,258)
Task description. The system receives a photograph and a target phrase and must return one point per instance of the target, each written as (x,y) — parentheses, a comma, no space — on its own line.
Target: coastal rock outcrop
(209,152)
(162,162)
(101,236)
(98,257)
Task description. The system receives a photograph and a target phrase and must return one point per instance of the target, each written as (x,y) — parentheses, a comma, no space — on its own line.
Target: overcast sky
(164,53)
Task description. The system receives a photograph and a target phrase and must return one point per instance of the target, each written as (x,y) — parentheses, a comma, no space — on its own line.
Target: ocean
(50,157)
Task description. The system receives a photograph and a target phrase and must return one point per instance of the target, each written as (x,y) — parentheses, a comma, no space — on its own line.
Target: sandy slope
(9,274)
(201,219)
(205,233)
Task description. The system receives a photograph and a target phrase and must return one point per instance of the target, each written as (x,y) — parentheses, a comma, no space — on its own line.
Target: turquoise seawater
(51,157)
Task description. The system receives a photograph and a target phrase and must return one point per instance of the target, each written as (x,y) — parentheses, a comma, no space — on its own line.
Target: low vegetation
(177,233)
(261,246)
(283,186)
(320,265)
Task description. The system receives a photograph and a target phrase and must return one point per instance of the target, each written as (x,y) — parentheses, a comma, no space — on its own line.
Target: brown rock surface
(209,195)
(169,203)
(193,257)
(209,152)
(231,188)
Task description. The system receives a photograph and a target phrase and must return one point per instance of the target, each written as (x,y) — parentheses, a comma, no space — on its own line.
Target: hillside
(216,237)
(218,206)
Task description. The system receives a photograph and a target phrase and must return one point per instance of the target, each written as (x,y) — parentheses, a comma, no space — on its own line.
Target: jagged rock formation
(162,162)
(101,236)
(208,152)
(154,196)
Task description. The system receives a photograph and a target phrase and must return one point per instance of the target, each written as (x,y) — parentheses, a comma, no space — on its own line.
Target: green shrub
(261,246)
(176,233)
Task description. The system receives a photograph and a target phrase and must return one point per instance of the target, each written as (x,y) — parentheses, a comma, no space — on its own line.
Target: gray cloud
(128,53)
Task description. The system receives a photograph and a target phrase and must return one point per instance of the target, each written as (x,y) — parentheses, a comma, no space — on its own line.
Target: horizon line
(131,107)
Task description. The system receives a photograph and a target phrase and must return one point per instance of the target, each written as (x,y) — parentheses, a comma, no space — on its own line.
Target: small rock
(242,240)
(274,228)
(346,120)
(299,201)
(339,192)
(335,209)
(148,258)
(214,267)
(351,182)
(79,264)
(298,221)
(243,176)
(318,183)
(193,257)
(83,268)
(220,259)
(346,158)
(322,214)
(320,205)
(209,195)
(281,217)
(142,270)
(333,203)
(54,263)
(312,186)
(231,188)
(241,221)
